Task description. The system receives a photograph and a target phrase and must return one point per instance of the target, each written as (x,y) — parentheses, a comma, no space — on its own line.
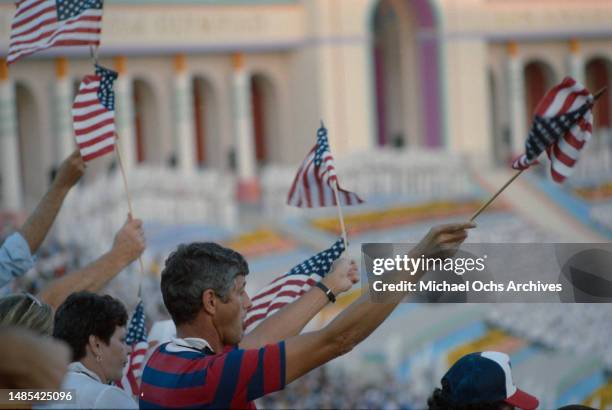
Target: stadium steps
(494,339)
(601,398)
(536,207)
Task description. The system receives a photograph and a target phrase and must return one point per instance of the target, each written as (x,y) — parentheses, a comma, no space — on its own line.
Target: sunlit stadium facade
(235,85)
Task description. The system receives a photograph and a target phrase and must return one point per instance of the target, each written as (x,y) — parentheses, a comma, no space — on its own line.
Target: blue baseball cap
(485,377)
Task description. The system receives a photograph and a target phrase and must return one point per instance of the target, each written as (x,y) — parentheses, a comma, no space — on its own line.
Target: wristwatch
(330,295)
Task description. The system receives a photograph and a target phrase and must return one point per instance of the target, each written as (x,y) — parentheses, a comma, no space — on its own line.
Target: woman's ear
(209,301)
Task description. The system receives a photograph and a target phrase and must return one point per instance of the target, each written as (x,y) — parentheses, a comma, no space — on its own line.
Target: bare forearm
(363,316)
(92,278)
(287,322)
(359,320)
(310,350)
(39,222)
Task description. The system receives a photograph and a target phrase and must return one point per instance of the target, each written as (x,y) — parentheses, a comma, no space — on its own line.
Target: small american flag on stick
(137,339)
(93,114)
(316,179)
(562,125)
(287,288)
(41,24)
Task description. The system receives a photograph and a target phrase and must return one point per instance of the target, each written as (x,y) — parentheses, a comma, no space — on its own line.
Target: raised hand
(440,238)
(342,276)
(70,171)
(129,242)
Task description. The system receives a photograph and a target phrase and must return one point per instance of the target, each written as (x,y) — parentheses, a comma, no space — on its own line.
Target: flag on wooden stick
(137,340)
(316,179)
(290,286)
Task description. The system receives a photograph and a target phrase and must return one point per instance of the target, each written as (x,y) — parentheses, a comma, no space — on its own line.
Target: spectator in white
(16,252)
(94,327)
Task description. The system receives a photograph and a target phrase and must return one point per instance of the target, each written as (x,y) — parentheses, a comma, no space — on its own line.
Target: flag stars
(136,329)
(69,8)
(105,92)
(320,263)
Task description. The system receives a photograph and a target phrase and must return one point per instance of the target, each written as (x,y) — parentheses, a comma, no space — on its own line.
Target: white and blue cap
(484,377)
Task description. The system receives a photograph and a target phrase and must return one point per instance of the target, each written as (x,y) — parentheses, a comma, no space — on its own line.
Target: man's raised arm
(39,222)
(362,317)
(128,245)
(291,319)
(16,252)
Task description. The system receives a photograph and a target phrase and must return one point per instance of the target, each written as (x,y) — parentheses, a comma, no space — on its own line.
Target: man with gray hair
(213,364)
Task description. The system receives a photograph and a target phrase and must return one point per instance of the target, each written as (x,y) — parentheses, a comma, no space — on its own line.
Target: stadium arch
(410,25)
(539,76)
(598,70)
(148,139)
(264,105)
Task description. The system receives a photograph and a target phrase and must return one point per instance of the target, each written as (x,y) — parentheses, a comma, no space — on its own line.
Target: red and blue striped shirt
(180,374)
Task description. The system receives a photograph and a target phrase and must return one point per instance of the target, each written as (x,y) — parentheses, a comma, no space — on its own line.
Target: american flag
(40,24)
(562,125)
(316,179)
(137,339)
(287,288)
(93,114)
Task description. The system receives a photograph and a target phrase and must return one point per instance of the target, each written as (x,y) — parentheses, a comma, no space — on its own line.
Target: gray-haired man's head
(194,268)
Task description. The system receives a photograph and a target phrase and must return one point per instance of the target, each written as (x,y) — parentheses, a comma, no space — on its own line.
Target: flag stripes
(316,179)
(93,114)
(563,123)
(137,339)
(41,24)
(287,288)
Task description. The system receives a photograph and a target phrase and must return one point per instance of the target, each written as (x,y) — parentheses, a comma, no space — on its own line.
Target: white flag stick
(127,193)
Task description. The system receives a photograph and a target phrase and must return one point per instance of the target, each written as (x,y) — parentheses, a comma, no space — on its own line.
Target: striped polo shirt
(186,373)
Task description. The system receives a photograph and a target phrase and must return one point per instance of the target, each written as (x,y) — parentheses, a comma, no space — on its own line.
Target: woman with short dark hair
(94,328)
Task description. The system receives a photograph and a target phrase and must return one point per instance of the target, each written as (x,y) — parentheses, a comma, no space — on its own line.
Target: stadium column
(183,115)
(516,98)
(575,62)
(244,149)
(62,111)
(124,112)
(10,171)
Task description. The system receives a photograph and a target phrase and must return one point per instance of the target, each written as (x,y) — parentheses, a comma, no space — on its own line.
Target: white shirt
(90,392)
(187,344)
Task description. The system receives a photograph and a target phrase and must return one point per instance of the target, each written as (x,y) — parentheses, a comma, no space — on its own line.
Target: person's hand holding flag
(290,286)
(343,274)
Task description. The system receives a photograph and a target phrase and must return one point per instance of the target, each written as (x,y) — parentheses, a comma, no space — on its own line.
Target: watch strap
(330,295)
